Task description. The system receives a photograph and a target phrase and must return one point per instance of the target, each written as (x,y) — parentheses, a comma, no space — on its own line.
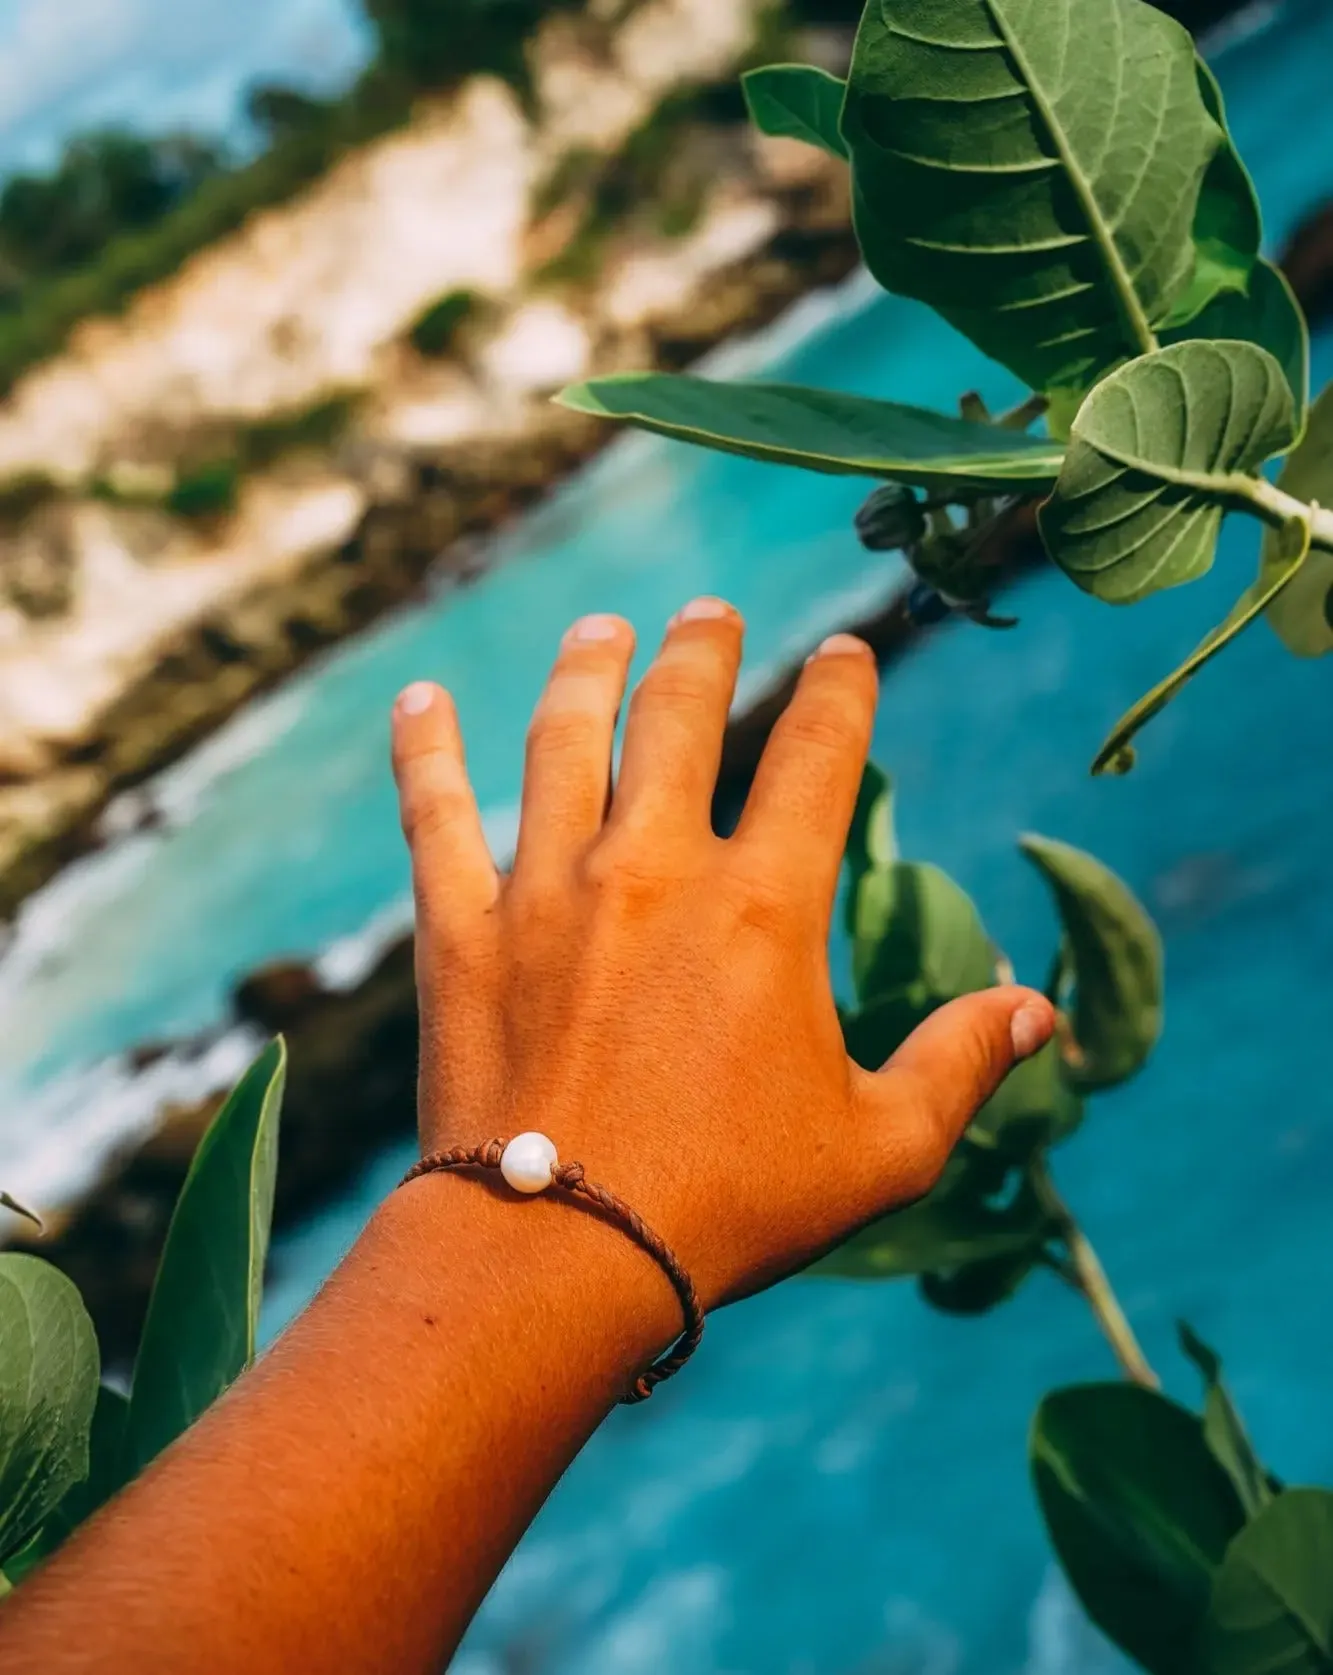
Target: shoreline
(425,533)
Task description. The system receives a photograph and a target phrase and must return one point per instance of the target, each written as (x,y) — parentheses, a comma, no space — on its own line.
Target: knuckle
(826,728)
(619,870)
(429,810)
(759,893)
(675,683)
(562,731)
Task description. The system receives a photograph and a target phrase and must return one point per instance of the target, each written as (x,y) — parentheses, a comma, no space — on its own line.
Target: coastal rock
(277,996)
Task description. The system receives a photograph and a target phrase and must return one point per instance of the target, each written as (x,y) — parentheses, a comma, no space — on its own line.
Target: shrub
(207,491)
(433,332)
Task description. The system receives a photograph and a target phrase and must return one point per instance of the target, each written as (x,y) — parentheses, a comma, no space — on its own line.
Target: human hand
(656,998)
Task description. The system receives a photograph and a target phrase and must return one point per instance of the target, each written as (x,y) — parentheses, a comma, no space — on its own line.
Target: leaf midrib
(1128,297)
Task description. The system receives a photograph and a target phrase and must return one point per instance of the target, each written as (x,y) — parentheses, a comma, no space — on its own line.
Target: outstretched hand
(656,998)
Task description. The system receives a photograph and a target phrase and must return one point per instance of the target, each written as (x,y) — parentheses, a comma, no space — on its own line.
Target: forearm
(348,1504)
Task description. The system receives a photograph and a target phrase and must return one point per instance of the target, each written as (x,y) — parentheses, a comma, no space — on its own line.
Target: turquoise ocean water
(837,1486)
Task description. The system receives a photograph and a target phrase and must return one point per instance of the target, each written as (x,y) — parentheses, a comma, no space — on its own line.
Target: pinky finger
(453,875)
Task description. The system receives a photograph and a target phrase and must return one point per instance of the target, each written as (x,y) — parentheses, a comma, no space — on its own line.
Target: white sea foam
(350,959)
(73,1127)
(182,790)
(50,924)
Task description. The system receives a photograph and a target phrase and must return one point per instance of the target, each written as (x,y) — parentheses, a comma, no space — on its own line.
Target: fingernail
(840,645)
(1030,1029)
(415,699)
(702,610)
(589,629)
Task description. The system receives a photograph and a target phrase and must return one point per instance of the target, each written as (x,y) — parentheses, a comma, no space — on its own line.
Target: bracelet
(529,1164)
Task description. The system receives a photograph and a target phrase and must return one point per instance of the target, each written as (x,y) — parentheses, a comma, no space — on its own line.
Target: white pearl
(527,1161)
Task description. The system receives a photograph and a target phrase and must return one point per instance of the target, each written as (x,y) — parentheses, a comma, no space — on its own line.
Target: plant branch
(1275,506)
(1083,1271)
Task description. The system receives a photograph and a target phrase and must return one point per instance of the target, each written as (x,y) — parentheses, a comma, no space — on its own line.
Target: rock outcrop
(136,612)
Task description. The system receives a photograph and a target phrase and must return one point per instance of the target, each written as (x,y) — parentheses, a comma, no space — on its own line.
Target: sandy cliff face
(126,632)
(308,297)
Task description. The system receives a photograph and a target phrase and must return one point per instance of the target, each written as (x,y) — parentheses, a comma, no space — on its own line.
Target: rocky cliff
(272,448)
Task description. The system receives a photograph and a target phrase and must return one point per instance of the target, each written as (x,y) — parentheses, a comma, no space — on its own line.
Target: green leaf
(1268,314)
(202,1317)
(797,102)
(1116,957)
(871,842)
(917,931)
(1037,1105)
(105,1441)
(875,1031)
(822,430)
(978,1287)
(1031,170)
(1272,1604)
(1228,226)
(1224,1430)
(1139,1514)
(1157,454)
(955,1225)
(1302,616)
(48,1385)
(1117,754)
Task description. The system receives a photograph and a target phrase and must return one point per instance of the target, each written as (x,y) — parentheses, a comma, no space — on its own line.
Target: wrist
(571,1293)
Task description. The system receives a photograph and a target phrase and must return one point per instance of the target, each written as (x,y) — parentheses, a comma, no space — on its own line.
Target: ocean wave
(58,1140)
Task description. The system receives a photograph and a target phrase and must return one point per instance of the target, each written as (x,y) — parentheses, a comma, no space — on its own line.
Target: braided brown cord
(571,1177)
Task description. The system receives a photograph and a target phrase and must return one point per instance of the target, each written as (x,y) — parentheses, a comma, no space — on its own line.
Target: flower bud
(891,518)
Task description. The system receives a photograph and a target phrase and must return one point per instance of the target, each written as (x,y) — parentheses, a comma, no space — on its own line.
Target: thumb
(921,1101)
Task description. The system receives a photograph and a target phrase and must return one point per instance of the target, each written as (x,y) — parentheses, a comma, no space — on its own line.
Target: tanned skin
(657,1000)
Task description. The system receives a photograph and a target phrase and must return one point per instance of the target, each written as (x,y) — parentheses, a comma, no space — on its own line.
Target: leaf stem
(1082,1270)
(1275,506)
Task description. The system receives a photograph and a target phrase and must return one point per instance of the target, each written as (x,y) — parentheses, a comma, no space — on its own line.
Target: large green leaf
(919,932)
(1228,226)
(1224,1430)
(1272,1605)
(1266,313)
(204,1310)
(48,1385)
(871,843)
(1157,454)
(797,102)
(1115,955)
(1302,616)
(979,1287)
(1031,169)
(105,1442)
(955,1225)
(822,430)
(1290,555)
(1139,1514)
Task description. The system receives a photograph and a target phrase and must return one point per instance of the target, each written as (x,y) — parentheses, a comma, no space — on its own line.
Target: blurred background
(285,288)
